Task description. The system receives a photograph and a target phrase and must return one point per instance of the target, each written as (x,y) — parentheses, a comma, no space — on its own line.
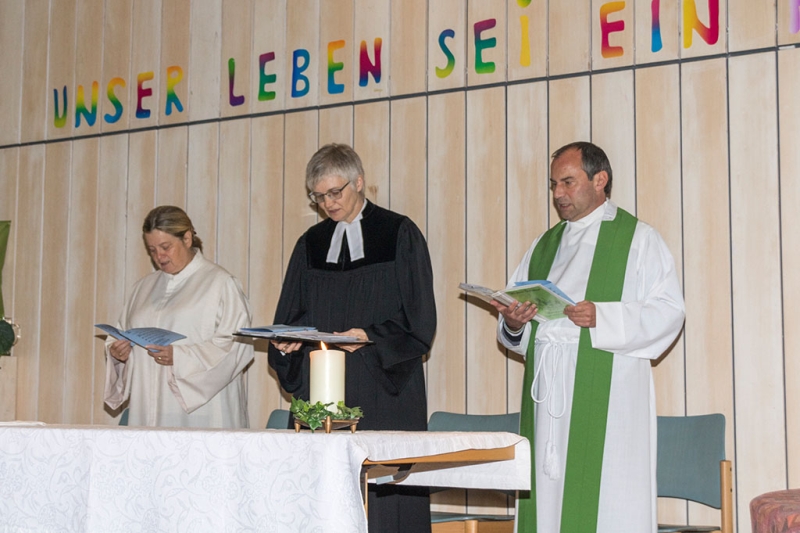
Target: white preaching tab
(355,239)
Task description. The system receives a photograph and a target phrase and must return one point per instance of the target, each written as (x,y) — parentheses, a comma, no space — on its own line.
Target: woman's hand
(120,350)
(287,346)
(358,333)
(160,354)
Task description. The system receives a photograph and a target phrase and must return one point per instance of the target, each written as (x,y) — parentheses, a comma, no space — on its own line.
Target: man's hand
(516,315)
(582,314)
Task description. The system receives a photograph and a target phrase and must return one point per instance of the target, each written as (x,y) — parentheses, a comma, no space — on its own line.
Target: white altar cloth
(116,479)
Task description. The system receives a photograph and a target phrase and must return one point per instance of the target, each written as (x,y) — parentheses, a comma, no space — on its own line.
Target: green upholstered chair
(692,466)
(470,522)
(278,419)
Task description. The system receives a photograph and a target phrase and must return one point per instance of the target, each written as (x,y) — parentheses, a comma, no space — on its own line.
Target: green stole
(592,380)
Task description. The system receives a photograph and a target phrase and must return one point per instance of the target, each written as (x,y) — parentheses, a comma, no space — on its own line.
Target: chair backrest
(278,419)
(444,421)
(690,449)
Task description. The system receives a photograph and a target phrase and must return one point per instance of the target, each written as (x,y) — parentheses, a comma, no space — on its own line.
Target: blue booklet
(273,330)
(143,336)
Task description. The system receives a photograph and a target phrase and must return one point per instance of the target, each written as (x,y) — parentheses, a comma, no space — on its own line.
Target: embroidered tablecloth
(116,479)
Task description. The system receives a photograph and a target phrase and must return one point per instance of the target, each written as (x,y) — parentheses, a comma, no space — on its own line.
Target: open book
(297,333)
(548,298)
(143,336)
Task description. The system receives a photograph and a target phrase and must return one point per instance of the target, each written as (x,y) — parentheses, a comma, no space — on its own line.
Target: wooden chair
(692,466)
(470,522)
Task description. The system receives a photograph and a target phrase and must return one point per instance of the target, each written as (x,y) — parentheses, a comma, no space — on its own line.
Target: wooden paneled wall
(700,120)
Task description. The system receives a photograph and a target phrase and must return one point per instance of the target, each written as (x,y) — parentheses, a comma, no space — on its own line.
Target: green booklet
(548,298)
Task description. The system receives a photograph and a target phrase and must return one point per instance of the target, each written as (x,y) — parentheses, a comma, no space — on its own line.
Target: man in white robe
(634,328)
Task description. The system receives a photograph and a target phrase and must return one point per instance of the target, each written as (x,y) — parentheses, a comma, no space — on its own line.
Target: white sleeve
(651,313)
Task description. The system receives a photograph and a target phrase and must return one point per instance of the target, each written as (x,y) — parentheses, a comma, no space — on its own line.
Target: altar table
(118,479)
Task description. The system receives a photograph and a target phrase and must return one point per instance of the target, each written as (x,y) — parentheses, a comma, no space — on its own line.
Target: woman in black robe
(364,271)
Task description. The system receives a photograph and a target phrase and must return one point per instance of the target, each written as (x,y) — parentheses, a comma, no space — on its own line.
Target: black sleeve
(291,310)
(402,340)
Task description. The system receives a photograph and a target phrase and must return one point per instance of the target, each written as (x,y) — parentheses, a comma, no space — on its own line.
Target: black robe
(388,294)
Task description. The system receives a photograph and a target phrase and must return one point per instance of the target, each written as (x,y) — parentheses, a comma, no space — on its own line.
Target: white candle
(327,376)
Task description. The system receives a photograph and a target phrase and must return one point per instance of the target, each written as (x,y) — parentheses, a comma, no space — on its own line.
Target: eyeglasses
(333,194)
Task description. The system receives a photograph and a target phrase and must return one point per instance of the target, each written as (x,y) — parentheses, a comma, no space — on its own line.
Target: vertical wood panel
(81,265)
(657,34)
(336,125)
(176,17)
(111,252)
(751,24)
(237,28)
(447,16)
(202,184)
(89,59)
(9,160)
(269,37)
(205,76)
(300,143)
(527,40)
(145,48)
(266,238)
(613,130)
(9,165)
(659,203)
(788,31)
(447,364)
(27,278)
(61,67)
(755,228)
(172,154)
(409,160)
(702,16)
(234,191)
(55,222)
(117,29)
(492,67)
(569,116)
(486,364)
(408,34)
(141,199)
(707,246)
(371,141)
(372,22)
(302,33)
(658,198)
(447,244)
(569,36)
(789,116)
(34,73)
(336,24)
(619,52)
(12,23)
(527,195)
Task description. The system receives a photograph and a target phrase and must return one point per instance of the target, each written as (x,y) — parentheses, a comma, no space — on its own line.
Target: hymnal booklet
(298,333)
(548,298)
(143,336)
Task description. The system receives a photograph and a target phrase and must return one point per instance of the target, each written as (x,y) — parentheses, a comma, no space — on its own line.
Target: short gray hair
(333,159)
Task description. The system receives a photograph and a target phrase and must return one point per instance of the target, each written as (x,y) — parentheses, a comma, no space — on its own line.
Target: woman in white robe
(197,381)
